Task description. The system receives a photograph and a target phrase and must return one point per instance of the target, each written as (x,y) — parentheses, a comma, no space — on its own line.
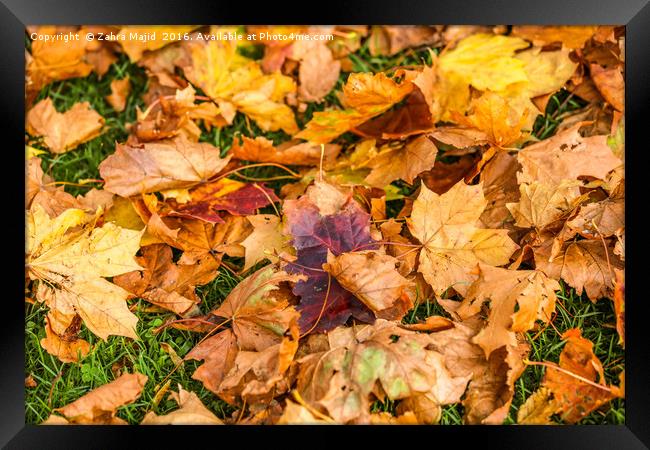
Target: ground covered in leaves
(396,225)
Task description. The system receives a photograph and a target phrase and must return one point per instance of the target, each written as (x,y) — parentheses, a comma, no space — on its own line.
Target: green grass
(59,384)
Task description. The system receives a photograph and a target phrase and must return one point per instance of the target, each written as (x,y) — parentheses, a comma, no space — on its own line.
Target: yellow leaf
(452,245)
(71,256)
(265,240)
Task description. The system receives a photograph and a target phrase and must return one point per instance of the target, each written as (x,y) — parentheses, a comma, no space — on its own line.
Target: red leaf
(313,236)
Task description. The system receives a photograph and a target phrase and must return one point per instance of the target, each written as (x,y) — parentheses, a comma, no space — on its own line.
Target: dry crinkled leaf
(63,132)
(529,290)
(571,36)
(166,284)
(159,166)
(99,406)
(452,244)
(585,265)
(610,84)
(66,348)
(541,204)
(537,409)
(218,352)
(262,149)
(72,257)
(259,309)
(619,305)
(364,96)
(361,359)
(404,162)
(120,90)
(191,411)
(372,277)
(265,242)
(499,180)
(566,156)
(573,398)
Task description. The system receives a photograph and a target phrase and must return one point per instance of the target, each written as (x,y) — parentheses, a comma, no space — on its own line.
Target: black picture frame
(16,14)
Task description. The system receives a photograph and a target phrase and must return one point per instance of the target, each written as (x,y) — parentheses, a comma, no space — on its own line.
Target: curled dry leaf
(99,406)
(452,244)
(71,257)
(191,411)
(120,90)
(63,132)
(373,278)
(292,152)
(166,284)
(134,170)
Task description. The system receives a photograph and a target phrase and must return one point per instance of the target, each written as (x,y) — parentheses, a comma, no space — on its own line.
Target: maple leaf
(55,60)
(542,204)
(120,90)
(158,166)
(240,199)
(610,84)
(334,224)
(566,156)
(63,132)
(537,409)
(68,347)
(259,310)
(236,82)
(318,72)
(99,406)
(165,284)
(265,241)
(363,358)
(532,292)
(402,162)
(364,96)
(218,353)
(452,245)
(262,149)
(586,265)
(578,382)
(373,279)
(71,257)
(191,411)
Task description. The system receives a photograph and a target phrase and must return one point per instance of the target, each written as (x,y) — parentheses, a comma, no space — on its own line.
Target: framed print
(398,216)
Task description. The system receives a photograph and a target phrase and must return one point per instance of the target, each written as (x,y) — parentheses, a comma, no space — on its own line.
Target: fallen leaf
(120,90)
(265,242)
(72,256)
(262,149)
(373,278)
(63,132)
(571,36)
(452,245)
(153,167)
(542,204)
(335,224)
(191,411)
(164,283)
(99,406)
(610,84)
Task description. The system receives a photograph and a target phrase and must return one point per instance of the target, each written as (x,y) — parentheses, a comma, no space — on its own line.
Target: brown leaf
(191,411)
(585,265)
(120,90)
(569,36)
(63,132)
(610,83)
(166,284)
(262,149)
(99,406)
(567,156)
(68,348)
(404,162)
(542,204)
(372,277)
(619,305)
(159,166)
(391,39)
(573,398)
(318,72)
(218,352)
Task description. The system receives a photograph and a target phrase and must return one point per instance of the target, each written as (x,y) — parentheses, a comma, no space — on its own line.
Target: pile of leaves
(346,198)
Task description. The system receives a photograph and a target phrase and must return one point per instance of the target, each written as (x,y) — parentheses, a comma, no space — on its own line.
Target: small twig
(566,372)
